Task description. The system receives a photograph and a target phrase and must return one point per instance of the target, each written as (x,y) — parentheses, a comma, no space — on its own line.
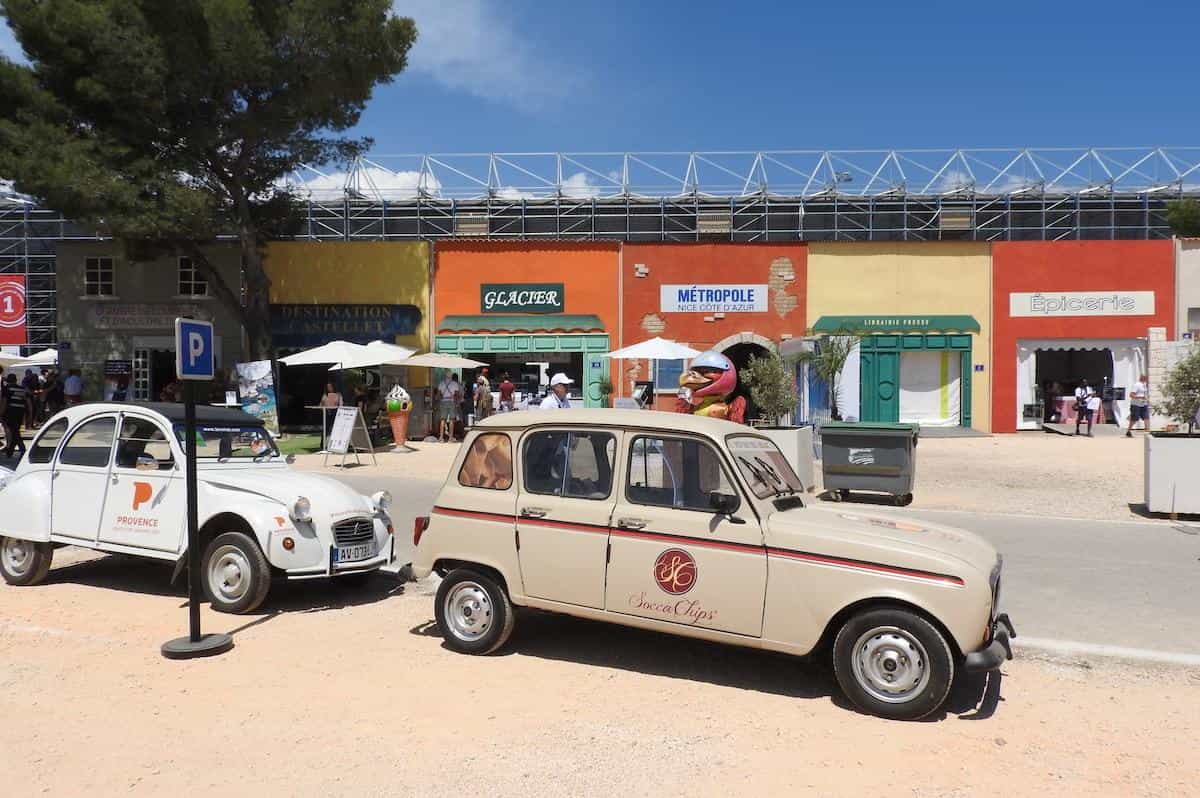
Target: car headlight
(383,500)
(302,509)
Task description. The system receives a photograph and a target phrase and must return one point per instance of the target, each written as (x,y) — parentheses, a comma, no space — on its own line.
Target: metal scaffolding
(996,194)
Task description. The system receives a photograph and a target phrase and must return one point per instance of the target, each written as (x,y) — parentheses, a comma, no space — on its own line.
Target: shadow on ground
(605,645)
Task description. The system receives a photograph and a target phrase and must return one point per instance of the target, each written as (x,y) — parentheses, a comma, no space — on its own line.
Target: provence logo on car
(675,572)
(142,493)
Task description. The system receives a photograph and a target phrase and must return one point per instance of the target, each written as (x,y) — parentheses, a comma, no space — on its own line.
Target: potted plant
(1172,478)
(772,384)
(826,361)
(605,387)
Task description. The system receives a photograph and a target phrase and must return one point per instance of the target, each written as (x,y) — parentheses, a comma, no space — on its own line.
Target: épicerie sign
(521,298)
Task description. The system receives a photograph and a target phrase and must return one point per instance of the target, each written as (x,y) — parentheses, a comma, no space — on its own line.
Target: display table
(1064,407)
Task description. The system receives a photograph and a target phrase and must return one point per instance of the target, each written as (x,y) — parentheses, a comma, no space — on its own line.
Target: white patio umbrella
(376,353)
(437,360)
(654,350)
(333,352)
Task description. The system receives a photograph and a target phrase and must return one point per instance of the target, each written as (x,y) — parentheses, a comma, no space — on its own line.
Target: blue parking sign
(194,358)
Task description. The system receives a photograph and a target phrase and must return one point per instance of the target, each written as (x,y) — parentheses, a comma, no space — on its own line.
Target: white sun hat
(561,379)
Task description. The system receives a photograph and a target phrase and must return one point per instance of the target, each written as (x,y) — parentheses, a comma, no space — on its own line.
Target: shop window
(191,282)
(98,277)
(672,472)
(42,450)
(668,374)
(488,464)
(577,465)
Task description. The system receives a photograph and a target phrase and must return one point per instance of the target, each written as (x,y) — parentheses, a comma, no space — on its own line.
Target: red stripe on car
(861,565)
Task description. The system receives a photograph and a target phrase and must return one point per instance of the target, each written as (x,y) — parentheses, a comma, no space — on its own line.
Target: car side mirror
(146,463)
(727,503)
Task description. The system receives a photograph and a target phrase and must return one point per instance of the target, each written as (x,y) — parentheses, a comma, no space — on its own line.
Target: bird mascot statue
(706,388)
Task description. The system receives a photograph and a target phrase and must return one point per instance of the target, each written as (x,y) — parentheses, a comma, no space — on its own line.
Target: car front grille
(353,531)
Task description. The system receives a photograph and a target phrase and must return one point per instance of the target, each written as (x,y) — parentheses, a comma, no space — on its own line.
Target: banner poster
(12,309)
(256,392)
(117,376)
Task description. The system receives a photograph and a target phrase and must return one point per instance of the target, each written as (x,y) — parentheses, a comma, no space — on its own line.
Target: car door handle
(533,512)
(631,523)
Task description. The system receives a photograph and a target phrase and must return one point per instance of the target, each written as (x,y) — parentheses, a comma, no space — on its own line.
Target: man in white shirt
(450,391)
(1083,408)
(73,387)
(557,398)
(1139,405)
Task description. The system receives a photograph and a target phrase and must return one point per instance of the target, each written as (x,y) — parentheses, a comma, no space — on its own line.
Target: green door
(880,386)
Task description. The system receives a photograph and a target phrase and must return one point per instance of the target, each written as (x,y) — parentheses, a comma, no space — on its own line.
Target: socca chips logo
(675,572)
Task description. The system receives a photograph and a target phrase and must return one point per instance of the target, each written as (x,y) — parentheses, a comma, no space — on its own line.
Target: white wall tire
(473,612)
(235,574)
(893,663)
(23,562)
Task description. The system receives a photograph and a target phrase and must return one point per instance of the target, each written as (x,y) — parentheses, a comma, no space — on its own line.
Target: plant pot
(796,444)
(1172,478)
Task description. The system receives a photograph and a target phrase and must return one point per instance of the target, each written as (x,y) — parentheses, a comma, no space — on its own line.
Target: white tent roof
(376,353)
(655,349)
(436,360)
(47,357)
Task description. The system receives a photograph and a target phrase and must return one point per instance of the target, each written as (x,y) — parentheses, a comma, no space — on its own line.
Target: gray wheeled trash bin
(869,456)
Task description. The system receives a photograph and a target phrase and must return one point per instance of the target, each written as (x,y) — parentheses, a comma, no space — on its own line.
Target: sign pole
(194,361)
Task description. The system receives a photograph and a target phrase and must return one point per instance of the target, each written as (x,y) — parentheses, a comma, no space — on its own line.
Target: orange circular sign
(675,571)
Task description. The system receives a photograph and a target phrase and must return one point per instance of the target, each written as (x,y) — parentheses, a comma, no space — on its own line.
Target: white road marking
(1077,649)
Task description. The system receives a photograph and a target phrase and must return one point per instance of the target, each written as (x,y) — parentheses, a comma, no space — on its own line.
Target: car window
(90,444)
(224,443)
(142,436)
(763,466)
(488,463)
(676,472)
(576,465)
(42,449)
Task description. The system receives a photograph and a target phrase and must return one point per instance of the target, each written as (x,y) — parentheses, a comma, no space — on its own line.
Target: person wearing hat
(557,398)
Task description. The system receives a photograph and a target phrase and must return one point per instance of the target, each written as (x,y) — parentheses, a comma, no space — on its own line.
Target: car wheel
(235,573)
(473,612)
(24,562)
(893,663)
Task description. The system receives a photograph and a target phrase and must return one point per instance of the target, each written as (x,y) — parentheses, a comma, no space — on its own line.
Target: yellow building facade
(923,314)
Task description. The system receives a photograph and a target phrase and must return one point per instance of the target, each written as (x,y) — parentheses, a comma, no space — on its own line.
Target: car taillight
(420,524)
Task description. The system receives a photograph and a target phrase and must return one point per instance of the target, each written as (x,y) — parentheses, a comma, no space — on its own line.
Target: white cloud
(579,186)
(471,46)
(8,44)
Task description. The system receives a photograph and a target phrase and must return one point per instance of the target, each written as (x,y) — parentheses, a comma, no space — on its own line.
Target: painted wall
(352,273)
(908,277)
(1049,266)
(1188,285)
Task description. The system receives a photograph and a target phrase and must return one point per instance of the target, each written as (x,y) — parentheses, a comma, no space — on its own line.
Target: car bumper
(996,652)
(385,556)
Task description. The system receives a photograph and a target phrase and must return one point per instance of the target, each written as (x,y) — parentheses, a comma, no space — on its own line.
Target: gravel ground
(337,691)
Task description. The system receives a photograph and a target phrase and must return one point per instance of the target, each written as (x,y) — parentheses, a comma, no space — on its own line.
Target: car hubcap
(468,611)
(890,664)
(18,556)
(229,574)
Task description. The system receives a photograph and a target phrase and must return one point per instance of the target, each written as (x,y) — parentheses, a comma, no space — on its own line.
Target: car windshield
(224,442)
(763,466)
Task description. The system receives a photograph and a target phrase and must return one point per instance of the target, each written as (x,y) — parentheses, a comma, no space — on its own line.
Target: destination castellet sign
(312,325)
(521,298)
(723,298)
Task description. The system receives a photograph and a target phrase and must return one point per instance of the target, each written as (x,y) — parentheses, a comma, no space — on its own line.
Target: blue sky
(668,75)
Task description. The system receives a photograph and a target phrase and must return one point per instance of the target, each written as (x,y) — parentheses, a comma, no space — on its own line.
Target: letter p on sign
(194,358)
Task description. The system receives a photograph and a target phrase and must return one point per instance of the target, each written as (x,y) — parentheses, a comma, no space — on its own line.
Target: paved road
(1121,584)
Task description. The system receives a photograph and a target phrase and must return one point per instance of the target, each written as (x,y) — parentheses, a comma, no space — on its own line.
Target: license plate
(353,553)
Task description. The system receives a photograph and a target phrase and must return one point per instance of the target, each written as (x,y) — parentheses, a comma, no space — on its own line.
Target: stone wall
(1163,356)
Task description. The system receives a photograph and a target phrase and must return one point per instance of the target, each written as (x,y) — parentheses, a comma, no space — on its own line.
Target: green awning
(899,323)
(501,323)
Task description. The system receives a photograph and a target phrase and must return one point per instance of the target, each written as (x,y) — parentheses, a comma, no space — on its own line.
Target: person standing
(507,391)
(557,399)
(73,387)
(13,407)
(483,396)
(30,384)
(450,393)
(1139,405)
(1082,394)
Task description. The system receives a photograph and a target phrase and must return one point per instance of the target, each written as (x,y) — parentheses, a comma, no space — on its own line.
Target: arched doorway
(739,349)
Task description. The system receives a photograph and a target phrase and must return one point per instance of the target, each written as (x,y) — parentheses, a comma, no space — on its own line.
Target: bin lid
(869,426)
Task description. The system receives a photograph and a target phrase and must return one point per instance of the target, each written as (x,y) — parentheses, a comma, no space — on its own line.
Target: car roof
(205,414)
(652,420)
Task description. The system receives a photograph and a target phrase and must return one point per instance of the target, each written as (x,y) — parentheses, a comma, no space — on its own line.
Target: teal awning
(898,323)
(501,323)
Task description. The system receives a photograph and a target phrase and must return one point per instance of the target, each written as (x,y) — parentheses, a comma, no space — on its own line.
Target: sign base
(207,646)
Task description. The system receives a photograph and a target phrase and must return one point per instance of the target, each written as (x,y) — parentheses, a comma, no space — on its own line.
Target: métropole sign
(1081,303)
(521,298)
(696,298)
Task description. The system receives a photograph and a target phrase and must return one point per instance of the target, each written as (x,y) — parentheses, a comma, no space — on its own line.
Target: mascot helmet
(724,384)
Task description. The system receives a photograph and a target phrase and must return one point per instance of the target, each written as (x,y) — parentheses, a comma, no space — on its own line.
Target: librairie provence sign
(1081,303)
(723,298)
(521,298)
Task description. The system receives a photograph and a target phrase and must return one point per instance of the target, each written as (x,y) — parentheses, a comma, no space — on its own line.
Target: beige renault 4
(699,527)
